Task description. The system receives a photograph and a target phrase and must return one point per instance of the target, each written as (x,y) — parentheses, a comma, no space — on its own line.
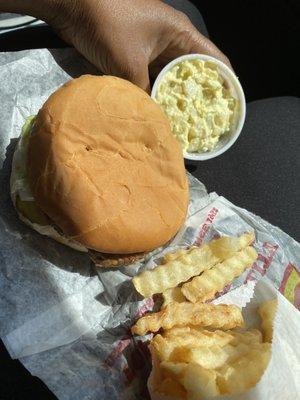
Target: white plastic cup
(228,139)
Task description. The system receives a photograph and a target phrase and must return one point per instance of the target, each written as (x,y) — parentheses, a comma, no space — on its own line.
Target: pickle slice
(32,212)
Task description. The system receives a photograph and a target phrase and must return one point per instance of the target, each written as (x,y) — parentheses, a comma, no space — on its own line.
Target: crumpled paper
(67,322)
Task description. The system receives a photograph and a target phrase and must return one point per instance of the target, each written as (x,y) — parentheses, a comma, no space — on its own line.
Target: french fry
(210,338)
(252,336)
(172,256)
(200,382)
(218,316)
(172,388)
(173,370)
(267,312)
(205,286)
(193,362)
(200,336)
(197,380)
(165,276)
(183,330)
(245,372)
(173,295)
(226,246)
(165,346)
(156,372)
(189,263)
(210,357)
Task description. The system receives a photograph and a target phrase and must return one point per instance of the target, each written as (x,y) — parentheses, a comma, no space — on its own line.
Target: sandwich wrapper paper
(68,323)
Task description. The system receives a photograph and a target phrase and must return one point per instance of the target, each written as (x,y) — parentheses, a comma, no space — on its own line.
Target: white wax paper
(66,322)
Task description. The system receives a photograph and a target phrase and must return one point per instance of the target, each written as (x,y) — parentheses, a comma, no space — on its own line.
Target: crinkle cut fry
(267,312)
(164,346)
(185,264)
(245,372)
(172,256)
(173,295)
(207,337)
(218,316)
(212,357)
(169,275)
(205,286)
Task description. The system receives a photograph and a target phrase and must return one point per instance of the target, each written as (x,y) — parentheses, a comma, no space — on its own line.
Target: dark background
(262,40)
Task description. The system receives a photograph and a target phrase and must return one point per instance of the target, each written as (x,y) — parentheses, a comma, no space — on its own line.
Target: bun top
(105,167)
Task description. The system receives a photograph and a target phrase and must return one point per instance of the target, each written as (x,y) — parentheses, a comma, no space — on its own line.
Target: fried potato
(245,372)
(165,346)
(193,362)
(226,246)
(165,276)
(156,375)
(173,295)
(198,336)
(172,256)
(172,388)
(205,286)
(200,382)
(210,357)
(252,336)
(183,330)
(189,263)
(173,370)
(267,311)
(217,337)
(218,316)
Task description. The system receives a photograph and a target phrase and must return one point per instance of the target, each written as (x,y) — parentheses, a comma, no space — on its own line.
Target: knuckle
(183,18)
(130,70)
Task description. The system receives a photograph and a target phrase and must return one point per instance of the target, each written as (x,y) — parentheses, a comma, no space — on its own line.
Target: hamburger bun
(104,166)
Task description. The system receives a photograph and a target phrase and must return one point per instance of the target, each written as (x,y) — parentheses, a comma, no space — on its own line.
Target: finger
(137,73)
(185,39)
(192,41)
(201,44)
(140,77)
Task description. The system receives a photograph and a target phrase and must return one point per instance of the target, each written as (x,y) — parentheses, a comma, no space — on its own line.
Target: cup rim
(230,76)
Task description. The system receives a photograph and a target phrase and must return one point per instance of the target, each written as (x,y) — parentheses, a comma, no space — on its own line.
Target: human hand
(127,38)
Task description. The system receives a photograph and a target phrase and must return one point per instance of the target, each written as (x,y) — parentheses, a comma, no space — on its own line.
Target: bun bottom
(105,260)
